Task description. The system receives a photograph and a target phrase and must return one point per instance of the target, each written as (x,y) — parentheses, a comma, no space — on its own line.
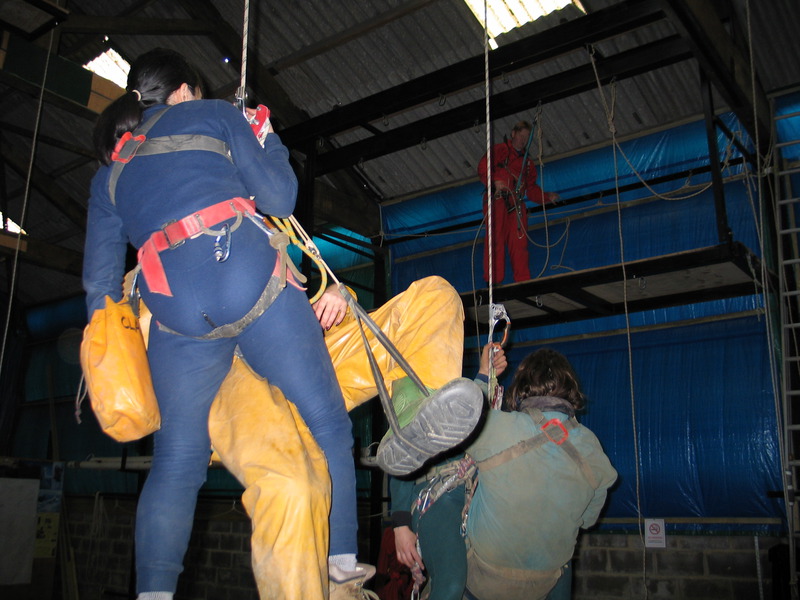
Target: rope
(783,443)
(493,310)
(487,101)
(307,245)
(544,204)
(241,93)
(609,113)
(26,198)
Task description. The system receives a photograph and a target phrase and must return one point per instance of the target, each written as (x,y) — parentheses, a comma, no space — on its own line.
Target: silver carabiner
(221,253)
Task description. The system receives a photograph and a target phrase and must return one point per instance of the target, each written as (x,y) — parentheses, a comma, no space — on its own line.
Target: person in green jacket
(542,477)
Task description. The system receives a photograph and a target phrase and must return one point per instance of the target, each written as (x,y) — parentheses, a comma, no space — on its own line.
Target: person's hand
(552,197)
(405,544)
(251,118)
(331,307)
(497,355)
(500,187)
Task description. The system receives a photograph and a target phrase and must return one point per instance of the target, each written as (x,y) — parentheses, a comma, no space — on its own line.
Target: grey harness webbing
(178,143)
(548,432)
(271,291)
(160,145)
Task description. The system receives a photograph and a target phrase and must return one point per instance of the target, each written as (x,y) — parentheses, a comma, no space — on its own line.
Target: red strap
(174,234)
(153,269)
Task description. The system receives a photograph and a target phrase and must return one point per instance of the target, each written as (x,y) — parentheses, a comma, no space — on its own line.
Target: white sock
(155,596)
(346,562)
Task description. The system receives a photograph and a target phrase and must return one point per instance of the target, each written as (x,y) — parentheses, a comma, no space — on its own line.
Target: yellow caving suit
(264,443)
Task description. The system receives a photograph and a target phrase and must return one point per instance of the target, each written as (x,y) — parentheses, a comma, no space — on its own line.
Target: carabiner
(221,252)
(499,314)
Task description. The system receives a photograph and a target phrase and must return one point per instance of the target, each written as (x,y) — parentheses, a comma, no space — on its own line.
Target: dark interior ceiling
(377,103)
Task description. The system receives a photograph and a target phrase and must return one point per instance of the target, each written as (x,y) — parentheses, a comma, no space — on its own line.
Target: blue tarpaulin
(694,416)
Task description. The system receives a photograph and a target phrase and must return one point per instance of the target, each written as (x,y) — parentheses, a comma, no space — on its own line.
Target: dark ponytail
(152,79)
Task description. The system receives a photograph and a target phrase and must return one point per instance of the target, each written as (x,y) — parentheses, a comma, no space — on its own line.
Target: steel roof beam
(724,63)
(546,45)
(619,66)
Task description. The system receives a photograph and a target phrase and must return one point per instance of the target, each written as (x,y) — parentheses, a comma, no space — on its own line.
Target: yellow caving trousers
(265,444)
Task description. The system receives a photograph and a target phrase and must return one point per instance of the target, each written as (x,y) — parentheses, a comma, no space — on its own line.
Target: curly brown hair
(545,373)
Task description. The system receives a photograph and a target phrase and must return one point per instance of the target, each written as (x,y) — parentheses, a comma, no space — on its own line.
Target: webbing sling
(363,318)
(134,146)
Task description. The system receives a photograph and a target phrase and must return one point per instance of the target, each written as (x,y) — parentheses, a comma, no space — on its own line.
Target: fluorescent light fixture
(11,226)
(505,15)
(110,65)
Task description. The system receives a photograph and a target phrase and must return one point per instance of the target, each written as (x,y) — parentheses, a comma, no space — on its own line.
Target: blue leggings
(286,346)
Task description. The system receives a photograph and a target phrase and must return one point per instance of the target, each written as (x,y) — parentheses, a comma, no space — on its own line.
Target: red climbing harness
(171,235)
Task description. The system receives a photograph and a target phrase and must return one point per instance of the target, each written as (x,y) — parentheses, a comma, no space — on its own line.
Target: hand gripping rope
(498,313)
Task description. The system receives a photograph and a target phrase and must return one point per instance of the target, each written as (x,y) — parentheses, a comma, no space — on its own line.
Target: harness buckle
(172,245)
(555,424)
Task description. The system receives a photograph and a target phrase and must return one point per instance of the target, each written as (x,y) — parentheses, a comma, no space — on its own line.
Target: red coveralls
(507,229)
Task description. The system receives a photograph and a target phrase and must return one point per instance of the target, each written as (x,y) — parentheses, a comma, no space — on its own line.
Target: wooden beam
(56,143)
(334,206)
(347,35)
(42,254)
(580,79)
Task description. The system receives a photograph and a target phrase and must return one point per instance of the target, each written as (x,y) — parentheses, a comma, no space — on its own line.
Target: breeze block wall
(606,566)
(691,567)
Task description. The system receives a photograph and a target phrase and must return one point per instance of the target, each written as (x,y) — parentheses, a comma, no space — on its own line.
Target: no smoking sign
(656,535)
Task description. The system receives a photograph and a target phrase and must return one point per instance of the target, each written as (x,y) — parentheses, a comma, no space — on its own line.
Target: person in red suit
(511,184)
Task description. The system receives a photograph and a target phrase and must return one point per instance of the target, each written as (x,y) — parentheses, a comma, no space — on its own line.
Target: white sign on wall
(655,534)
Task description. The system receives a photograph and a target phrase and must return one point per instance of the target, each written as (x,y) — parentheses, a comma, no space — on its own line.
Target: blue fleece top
(153,190)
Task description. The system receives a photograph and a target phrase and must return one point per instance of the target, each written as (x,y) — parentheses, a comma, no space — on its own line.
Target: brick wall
(691,567)
(217,564)
(607,566)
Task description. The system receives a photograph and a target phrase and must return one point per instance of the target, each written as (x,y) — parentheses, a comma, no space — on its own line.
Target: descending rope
(539,157)
(26,197)
(609,113)
(762,165)
(241,93)
(487,101)
(496,313)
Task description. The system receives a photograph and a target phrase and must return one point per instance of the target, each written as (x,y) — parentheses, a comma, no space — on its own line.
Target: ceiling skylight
(111,66)
(505,15)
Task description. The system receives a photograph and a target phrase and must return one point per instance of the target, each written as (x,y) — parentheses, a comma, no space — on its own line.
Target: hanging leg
(516,232)
(426,325)
(422,425)
(264,443)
